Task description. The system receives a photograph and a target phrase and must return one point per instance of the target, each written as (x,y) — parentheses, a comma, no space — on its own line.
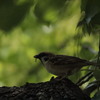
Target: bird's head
(44,56)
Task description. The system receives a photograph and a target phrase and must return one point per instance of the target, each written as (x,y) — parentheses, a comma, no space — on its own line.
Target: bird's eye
(46,58)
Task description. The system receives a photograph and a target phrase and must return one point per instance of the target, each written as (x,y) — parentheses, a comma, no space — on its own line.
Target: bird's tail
(95,64)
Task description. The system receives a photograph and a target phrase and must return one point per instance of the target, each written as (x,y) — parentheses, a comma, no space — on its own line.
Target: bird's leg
(61,77)
(58,78)
(52,78)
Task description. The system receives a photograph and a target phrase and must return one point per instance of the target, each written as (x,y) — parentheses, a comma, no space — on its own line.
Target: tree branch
(51,90)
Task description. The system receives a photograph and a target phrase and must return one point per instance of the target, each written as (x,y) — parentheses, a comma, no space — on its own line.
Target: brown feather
(68,60)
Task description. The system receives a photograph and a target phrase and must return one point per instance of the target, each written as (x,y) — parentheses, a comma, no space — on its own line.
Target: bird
(61,65)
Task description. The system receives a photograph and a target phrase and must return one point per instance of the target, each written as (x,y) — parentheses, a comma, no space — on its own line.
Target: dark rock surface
(51,90)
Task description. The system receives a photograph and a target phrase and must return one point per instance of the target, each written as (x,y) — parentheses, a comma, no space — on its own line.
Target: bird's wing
(67,60)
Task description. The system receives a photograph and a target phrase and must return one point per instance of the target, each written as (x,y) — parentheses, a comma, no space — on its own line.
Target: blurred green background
(28,27)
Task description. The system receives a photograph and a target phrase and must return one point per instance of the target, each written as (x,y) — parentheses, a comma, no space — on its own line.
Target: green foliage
(97,96)
(91,20)
(12,13)
(97,74)
(49,14)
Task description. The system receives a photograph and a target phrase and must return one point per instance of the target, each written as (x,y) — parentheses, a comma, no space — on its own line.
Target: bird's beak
(36,56)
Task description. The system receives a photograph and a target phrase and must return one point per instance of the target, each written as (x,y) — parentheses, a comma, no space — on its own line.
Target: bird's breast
(60,70)
(54,69)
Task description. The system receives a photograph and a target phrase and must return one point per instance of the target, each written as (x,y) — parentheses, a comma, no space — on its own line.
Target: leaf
(48,11)
(92,15)
(97,74)
(97,96)
(12,14)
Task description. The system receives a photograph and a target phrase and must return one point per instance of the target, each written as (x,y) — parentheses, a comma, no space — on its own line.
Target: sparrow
(61,65)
